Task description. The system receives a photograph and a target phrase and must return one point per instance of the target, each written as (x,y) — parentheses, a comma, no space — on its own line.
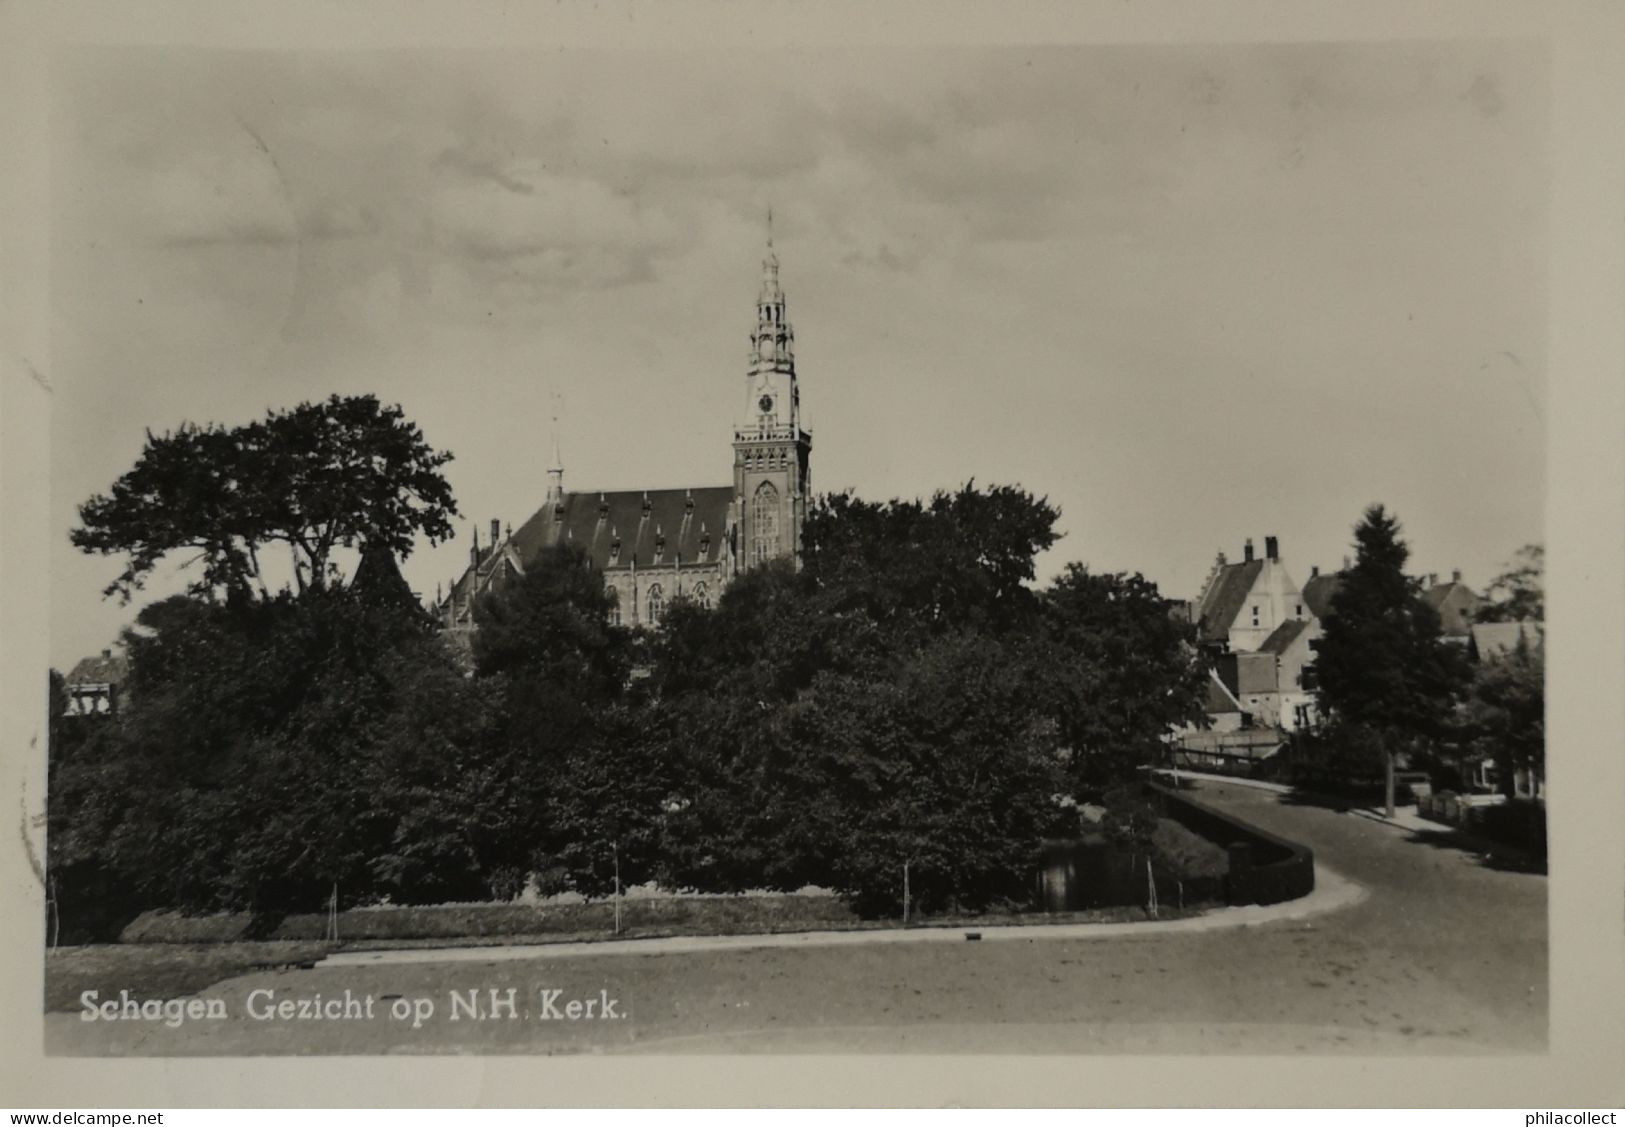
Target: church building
(662,543)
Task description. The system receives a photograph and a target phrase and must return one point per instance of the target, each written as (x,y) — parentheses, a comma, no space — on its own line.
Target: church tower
(771,450)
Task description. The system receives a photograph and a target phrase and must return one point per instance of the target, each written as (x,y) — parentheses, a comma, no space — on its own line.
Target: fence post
(905,892)
(615,851)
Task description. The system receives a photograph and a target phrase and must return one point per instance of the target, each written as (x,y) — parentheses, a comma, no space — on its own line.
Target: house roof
(1319,591)
(1436,595)
(1219,699)
(1245,674)
(1282,637)
(1225,595)
(103,669)
(1493,639)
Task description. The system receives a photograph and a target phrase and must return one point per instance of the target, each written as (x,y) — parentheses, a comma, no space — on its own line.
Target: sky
(1191,294)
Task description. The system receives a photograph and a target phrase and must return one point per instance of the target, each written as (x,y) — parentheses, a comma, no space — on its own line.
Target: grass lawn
(159,970)
(174,970)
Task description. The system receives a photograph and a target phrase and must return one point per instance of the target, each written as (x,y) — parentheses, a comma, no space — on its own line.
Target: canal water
(1089,872)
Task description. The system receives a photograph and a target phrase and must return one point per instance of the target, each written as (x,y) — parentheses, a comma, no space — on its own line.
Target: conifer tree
(1386,677)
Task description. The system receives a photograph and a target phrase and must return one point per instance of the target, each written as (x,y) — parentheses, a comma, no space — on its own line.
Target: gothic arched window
(614,607)
(655,604)
(764,523)
(702,596)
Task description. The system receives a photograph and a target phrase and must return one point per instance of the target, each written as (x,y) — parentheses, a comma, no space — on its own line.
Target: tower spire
(555,469)
(772,342)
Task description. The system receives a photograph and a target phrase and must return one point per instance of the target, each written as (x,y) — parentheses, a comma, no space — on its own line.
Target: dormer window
(646,505)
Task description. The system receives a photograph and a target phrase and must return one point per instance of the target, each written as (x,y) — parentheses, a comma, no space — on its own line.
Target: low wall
(1264,869)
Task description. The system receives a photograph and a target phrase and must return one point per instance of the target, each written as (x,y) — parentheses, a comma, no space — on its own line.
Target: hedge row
(471,921)
(1264,868)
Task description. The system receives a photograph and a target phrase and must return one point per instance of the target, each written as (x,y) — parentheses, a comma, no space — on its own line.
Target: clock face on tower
(766,404)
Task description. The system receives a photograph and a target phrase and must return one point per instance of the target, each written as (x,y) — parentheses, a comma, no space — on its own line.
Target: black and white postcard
(730,533)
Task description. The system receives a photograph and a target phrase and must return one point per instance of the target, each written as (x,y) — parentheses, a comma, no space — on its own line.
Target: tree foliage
(1518,594)
(270,751)
(1504,716)
(346,472)
(1120,672)
(908,696)
(963,560)
(568,734)
(1382,664)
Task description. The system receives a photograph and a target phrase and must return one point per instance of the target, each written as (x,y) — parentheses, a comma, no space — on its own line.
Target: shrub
(1187,855)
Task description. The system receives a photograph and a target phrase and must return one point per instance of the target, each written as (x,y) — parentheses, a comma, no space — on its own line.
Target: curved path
(1444,954)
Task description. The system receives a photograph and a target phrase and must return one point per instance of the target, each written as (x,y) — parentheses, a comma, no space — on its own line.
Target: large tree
(347,472)
(1504,716)
(568,735)
(964,559)
(1120,672)
(1386,677)
(271,750)
(878,707)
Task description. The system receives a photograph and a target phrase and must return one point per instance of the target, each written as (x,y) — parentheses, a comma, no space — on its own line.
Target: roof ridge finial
(769,226)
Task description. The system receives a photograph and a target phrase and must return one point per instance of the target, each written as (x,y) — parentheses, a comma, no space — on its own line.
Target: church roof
(619,529)
(1224,598)
(654,527)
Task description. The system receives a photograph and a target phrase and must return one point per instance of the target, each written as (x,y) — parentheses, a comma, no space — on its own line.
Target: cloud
(222,195)
(490,170)
(882,258)
(331,218)
(519,224)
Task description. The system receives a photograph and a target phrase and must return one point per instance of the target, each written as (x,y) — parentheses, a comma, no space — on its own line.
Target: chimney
(1272,548)
(107,655)
(1314,570)
(1347,563)
(1433,579)
(1247,551)
(496,531)
(1455,575)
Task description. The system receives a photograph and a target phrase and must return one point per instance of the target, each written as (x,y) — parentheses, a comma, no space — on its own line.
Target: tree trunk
(1388,781)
